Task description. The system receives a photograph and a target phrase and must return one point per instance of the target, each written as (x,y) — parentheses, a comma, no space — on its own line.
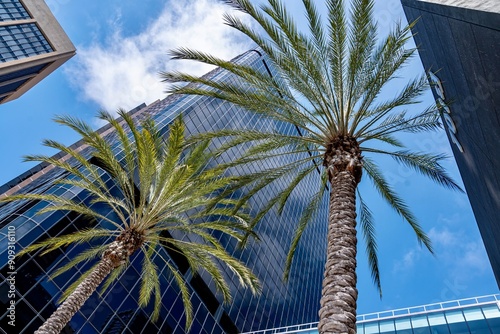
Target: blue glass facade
(12,10)
(480,315)
(21,41)
(281,304)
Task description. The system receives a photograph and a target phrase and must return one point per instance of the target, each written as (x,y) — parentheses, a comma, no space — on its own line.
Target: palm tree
(334,71)
(162,188)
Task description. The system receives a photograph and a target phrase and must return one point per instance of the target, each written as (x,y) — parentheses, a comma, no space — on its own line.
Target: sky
(121,47)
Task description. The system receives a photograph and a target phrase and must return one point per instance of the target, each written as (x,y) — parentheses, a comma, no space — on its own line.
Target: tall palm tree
(162,188)
(335,72)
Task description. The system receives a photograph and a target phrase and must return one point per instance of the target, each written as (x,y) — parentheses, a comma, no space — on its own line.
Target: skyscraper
(280,304)
(459,45)
(32,45)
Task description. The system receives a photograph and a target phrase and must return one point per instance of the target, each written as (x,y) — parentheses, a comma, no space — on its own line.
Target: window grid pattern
(477,315)
(21,41)
(482,319)
(12,10)
(117,312)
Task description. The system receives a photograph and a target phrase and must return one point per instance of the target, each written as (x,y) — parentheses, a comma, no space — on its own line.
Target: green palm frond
(368,229)
(113,277)
(407,96)
(150,282)
(424,163)
(153,184)
(185,294)
(78,237)
(388,194)
(309,212)
(87,255)
(327,83)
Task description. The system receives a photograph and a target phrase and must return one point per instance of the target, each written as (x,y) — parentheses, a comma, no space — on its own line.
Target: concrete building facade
(32,45)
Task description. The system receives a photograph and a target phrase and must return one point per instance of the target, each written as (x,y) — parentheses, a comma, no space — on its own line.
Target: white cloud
(443,237)
(123,72)
(458,250)
(474,257)
(407,262)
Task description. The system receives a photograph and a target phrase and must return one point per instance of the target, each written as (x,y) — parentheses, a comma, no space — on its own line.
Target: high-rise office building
(459,45)
(280,303)
(32,45)
(478,315)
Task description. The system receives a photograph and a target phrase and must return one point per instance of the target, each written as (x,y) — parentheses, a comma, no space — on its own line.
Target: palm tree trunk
(338,302)
(76,299)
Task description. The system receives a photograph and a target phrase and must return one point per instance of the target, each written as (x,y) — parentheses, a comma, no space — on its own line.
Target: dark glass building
(280,304)
(459,45)
(32,45)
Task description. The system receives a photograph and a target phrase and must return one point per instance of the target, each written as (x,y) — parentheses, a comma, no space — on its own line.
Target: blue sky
(121,46)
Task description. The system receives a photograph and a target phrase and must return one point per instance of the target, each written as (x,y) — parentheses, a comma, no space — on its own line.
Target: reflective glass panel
(403,324)
(371,328)
(454,317)
(473,314)
(387,326)
(436,319)
(491,311)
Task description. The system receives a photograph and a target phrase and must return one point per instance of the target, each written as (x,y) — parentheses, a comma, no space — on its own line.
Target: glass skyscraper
(459,46)
(32,45)
(116,311)
(479,315)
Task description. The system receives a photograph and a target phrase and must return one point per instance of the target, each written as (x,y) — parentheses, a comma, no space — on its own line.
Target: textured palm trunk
(338,302)
(115,255)
(74,302)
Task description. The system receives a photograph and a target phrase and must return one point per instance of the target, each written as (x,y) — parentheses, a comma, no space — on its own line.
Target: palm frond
(84,256)
(368,229)
(186,296)
(309,212)
(425,163)
(395,202)
(113,277)
(337,27)
(78,237)
(151,186)
(362,39)
(149,280)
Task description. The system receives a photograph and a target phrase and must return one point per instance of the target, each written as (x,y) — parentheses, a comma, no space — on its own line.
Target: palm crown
(335,73)
(162,189)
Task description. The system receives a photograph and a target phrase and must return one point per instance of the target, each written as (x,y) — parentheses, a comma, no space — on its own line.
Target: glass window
(491,311)
(371,328)
(387,326)
(420,324)
(403,324)
(494,324)
(419,321)
(12,10)
(454,317)
(436,319)
(479,327)
(18,41)
(473,314)
(440,329)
